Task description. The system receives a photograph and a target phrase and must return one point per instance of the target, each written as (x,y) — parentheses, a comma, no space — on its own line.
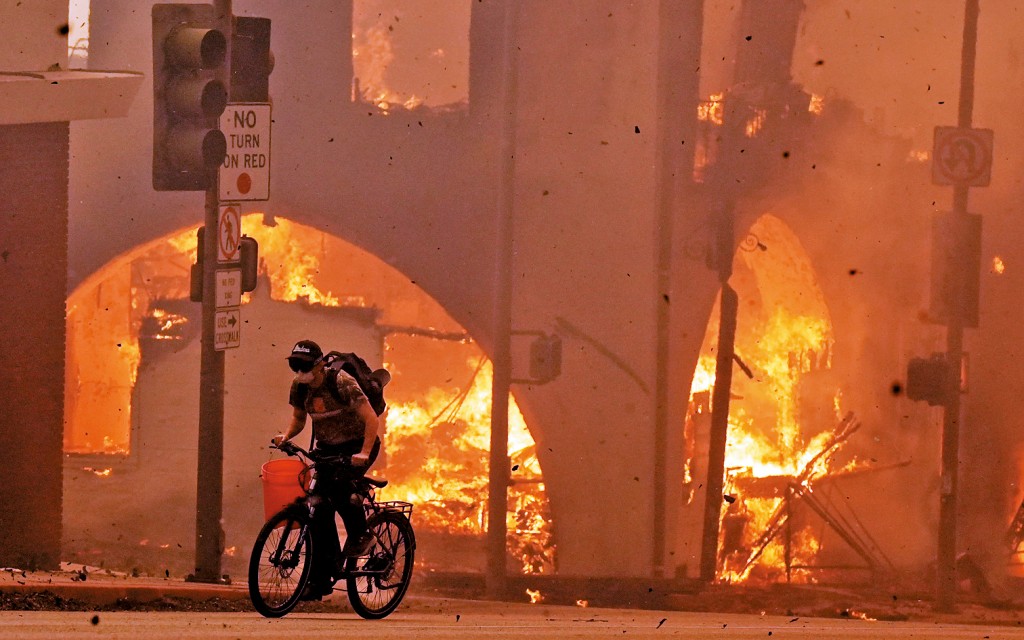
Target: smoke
(416,190)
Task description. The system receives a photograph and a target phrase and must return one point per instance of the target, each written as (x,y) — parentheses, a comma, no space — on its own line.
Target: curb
(107,594)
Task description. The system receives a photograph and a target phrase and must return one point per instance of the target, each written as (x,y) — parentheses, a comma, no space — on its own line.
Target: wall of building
(32,35)
(33,277)
(419,190)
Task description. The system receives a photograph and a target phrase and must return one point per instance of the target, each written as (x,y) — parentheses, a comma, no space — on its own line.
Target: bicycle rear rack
(397,506)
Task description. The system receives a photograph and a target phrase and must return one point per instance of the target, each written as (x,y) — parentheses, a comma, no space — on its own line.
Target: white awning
(62,96)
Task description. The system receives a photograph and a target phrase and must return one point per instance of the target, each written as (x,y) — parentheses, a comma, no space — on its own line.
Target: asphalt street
(479,620)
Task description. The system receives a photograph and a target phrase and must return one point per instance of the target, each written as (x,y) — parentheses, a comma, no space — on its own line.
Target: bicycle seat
(380,484)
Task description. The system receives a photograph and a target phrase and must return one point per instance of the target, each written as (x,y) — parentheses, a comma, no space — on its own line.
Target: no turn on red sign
(245,172)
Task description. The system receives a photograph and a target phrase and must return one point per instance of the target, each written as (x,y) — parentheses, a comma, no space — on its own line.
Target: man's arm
(370,427)
(295,427)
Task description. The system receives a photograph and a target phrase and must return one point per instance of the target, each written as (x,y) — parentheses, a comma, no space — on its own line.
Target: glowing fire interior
(777,421)
(407,54)
(437,427)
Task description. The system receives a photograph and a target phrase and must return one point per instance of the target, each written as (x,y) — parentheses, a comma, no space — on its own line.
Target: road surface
(478,621)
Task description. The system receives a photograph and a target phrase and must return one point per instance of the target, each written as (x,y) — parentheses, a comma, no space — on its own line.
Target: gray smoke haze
(585,194)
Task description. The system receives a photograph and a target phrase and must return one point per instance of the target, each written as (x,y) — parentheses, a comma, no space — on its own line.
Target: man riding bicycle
(344,424)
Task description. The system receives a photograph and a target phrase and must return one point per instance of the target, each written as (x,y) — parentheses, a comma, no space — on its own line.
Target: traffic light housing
(190,92)
(251,60)
(248,261)
(955,268)
(927,379)
(248,251)
(545,358)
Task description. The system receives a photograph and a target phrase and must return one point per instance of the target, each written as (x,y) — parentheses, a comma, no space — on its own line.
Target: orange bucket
(284,480)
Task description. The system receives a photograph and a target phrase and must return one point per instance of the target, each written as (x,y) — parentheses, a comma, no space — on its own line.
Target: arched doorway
(132,387)
(785,409)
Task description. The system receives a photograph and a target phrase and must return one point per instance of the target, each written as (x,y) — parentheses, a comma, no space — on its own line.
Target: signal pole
(201,54)
(210,446)
(498,476)
(210,460)
(949,488)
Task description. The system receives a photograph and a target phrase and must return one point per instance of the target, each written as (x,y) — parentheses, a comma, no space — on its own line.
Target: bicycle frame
(376,581)
(312,499)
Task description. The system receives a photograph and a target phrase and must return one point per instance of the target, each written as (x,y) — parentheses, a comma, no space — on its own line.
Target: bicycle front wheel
(377,583)
(280,563)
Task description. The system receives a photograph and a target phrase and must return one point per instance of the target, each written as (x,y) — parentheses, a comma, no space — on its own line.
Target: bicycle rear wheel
(280,563)
(379,580)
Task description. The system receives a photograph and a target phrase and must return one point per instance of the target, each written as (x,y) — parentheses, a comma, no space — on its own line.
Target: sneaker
(360,547)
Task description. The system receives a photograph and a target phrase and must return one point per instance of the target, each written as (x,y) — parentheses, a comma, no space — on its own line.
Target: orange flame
(816,104)
(452,437)
(372,53)
(441,445)
(713,110)
(765,434)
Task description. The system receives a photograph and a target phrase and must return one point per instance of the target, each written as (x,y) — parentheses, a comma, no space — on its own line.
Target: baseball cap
(305,351)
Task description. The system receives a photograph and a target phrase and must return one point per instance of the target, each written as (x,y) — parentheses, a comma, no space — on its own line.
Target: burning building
(387,161)
(132,418)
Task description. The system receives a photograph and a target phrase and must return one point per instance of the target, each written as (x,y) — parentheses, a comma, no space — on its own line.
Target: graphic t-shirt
(335,416)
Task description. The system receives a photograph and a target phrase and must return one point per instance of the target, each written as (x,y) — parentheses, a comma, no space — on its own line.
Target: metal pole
(210,463)
(210,454)
(729,305)
(498,480)
(952,420)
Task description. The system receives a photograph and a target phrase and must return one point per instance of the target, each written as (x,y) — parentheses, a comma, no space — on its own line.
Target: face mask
(305,378)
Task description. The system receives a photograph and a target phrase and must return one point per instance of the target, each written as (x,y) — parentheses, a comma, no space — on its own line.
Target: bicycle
(285,550)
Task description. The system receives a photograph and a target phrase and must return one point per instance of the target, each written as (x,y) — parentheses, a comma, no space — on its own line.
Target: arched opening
(785,418)
(132,396)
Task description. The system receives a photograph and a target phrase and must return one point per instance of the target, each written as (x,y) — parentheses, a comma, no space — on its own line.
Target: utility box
(546,358)
(956,268)
(927,379)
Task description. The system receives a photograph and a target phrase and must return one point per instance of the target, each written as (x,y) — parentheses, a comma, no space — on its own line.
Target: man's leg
(358,539)
(325,538)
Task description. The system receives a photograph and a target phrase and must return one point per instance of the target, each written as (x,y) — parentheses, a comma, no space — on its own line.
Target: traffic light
(190,92)
(251,60)
(546,358)
(927,379)
(248,251)
(248,261)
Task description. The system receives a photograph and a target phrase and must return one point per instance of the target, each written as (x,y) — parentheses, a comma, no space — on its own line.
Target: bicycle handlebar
(289,448)
(293,449)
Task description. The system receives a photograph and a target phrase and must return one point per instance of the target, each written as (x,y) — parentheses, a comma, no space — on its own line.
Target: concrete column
(33,277)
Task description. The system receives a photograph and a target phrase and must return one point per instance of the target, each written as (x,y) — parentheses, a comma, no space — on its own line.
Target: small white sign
(227,330)
(229,288)
(229,233)
(245,173)
(962,156)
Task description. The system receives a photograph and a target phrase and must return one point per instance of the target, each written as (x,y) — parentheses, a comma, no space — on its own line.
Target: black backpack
(371,382)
